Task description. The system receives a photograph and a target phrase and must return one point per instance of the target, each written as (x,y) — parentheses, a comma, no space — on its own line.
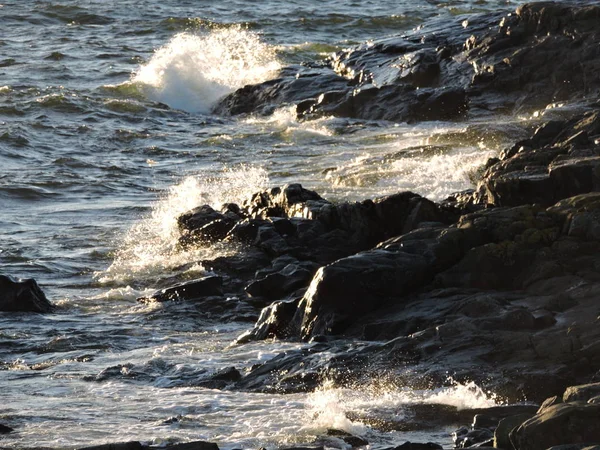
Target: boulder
(22,295)
(583,392)
(505,427)
(565,423)
(191,290)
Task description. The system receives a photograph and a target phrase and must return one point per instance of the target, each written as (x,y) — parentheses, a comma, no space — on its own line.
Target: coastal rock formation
(498,283)
(543,53)
(17,294)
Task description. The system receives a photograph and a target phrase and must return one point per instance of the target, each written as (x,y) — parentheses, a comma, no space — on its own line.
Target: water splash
(412,164)
(285,121)
(191,72)
(341,408)
(149,249)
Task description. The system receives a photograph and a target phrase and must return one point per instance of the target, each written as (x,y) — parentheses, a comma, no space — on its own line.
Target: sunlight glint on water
(150,247)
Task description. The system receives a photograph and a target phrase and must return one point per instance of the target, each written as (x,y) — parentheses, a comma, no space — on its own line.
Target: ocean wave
(150,248)
(191,72)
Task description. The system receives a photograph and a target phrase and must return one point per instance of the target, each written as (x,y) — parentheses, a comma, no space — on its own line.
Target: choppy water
(106,136)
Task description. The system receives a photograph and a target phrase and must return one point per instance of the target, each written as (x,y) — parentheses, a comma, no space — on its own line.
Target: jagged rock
(4,429)
(198,217)
(279,284)
(493,62)
(582,392)
(473,437)
(274,321)
(18,294)
(558,162)
(565,423)
(191,290)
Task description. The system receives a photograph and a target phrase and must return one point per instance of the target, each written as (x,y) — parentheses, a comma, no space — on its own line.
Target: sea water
(107,135)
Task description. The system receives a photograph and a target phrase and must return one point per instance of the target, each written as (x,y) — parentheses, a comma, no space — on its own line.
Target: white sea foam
(149,249)
(285,120)
(410,164)
(331,407)
(191,72)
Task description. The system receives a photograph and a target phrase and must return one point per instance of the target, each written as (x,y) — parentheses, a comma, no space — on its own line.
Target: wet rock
(22,295)
(565,423)
(198,217)
(191,290)
(583,392)
(291,372)
(350,439)
(550,401)
(418,446)
(133,445)
(279,284)
(505,427)
(274,322)
(196,445)
(473,437)
(576,447)
(220,379)
(496,62)
(558,162)
(4,429)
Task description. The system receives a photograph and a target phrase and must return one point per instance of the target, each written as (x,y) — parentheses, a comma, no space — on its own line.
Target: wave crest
(191,72)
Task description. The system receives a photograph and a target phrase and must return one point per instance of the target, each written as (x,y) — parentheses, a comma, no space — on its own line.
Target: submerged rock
(18,294)
(4,429)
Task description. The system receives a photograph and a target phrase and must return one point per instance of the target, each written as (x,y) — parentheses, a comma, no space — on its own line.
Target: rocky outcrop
(544,52)
(562,424)
(560,160)
(18,294)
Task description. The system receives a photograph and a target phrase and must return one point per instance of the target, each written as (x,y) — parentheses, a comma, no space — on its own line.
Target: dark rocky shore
(497,285)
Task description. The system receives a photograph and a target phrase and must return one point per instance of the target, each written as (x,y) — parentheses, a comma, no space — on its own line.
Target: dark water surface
(106,136)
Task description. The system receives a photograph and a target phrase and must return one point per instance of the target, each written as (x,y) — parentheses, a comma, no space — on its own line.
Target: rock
(508,62)
(196,445)
(198,217)
(134,445)
(551,166)
(595,400)
(484,421)
(274,322)
(418,446)
(353,441)
(473,437)
(582,392)
(227,374)
(576,447)
(550,401)
(4,429)
(191,290)
(22,295)
(505,427)
(565,423)
(279,284)
(336,296)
